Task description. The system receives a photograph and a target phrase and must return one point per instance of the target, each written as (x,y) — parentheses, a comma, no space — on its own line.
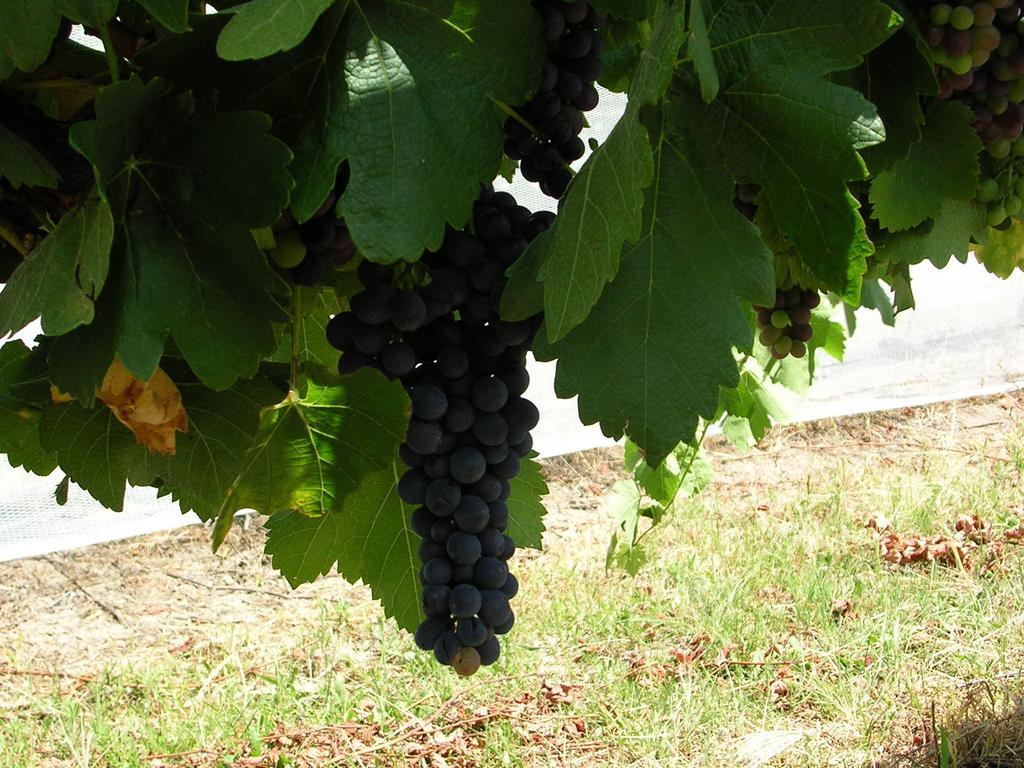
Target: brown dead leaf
(151,409)
(841,608)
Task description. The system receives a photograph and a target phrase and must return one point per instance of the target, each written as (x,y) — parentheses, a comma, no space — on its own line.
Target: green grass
(750,573)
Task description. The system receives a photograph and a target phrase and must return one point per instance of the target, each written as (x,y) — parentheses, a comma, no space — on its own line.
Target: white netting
(964,339)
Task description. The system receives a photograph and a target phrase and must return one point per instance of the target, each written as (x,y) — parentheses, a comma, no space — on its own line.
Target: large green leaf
(367,536)
(778,121)
(173,14)
(22,164)
(898,99)
(306,335)
(222,426)
(27,30)
(317,446)
(20,414)
(604,206)
(102,455)
(949,235)
(652,356)
(97,451)
(261,28)
(403,90)
(942,165)
(62,277)
(185,188)
(92,13)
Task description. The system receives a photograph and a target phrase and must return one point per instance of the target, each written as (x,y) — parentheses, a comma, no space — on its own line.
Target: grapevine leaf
(405,90)
(644,362)
(172,14)
(779,122)
(261,28)
(186,189)
(604,206)
(317,446)
(681,471)
(942,165)
(19,417)
(97,451)
(101,454)
(698,51)
(92,13)
(222,426)
(1004,251)
(22,164)
(61,278)
(316,306)
(369,538)
(950,235)
(26,34)
(525,508)
(898,98)
(874,296)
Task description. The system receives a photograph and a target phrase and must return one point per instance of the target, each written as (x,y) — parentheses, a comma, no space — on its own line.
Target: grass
(765,629)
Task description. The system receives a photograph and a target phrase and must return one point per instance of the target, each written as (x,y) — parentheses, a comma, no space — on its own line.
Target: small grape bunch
(785,327)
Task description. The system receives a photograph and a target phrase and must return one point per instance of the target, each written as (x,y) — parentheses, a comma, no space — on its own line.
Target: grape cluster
(308,251)
(544,134)
(977,49)
(465,371)
(785,327)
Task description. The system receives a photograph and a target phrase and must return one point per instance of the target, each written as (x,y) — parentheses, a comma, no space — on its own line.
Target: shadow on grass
(984,730)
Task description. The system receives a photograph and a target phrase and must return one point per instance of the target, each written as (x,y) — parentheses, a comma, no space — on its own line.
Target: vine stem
(694,453)
(108,49)
(10,236)
(293,383)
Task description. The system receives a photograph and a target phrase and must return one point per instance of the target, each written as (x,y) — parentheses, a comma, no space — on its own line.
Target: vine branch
(10,235)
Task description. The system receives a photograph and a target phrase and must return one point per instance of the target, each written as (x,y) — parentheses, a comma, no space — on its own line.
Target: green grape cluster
(785,327)
(978,50)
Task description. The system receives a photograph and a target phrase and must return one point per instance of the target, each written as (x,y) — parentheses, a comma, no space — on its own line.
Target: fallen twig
(110,611)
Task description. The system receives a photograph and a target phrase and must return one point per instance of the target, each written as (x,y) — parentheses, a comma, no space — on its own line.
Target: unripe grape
(961,17)
(769,335)
(986,38)
(988,191)
(984,14)
(962,64)
(798,350)
(934,36)
(783,346)
(940,14)
(999,149)
(1012,204)
(780,319)
(996,215)
(289,250)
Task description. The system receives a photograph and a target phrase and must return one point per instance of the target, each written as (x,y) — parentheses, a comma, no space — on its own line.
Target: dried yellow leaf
(151,409)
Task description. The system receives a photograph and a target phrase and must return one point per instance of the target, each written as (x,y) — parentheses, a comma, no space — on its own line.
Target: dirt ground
(75,611)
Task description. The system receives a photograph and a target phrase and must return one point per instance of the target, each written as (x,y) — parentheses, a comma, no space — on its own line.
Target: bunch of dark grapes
(979,57)
(785,327)
(309,251)
(465,371)
(544,134)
